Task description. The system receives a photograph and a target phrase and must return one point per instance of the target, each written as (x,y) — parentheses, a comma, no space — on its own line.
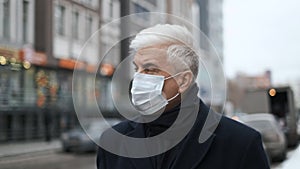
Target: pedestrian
(164,87)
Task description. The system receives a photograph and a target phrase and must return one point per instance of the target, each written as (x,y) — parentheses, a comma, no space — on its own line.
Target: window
(15,88)
(75,22)
(60,20)
(111,9)
(4,87)
(89,26)
(6,19)
(90,2)
(25,20)
(140,9)
(153,2)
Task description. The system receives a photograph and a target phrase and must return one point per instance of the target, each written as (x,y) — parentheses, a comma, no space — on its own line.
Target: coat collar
(197,152)
(190,145)
(138,132)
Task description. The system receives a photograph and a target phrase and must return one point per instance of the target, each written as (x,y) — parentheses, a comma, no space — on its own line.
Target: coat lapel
(192,153)
(138,132)
(193,149)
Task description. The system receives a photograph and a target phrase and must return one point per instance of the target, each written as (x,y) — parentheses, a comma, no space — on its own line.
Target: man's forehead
(153,55)
(156,51)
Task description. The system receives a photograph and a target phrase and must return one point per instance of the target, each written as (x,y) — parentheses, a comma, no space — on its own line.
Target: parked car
(273,137)
(79,141)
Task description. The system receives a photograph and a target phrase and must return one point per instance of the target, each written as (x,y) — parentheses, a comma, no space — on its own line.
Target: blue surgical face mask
(146,93)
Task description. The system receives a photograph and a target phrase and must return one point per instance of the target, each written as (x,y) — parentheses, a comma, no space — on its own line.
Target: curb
(12,150)
(34,152)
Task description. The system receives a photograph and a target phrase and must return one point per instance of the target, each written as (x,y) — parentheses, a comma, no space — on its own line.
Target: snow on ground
(292,161)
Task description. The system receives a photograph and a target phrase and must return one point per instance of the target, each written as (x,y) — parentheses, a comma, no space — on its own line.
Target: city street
(55,160)
(70,70)
(59,160)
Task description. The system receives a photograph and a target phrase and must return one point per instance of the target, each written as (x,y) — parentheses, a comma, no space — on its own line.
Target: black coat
(231,146)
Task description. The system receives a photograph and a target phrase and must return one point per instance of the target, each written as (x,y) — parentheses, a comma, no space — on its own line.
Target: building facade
(254,81)
(211,23)
(42,42)
(238,86)
(16,37)
(211,69)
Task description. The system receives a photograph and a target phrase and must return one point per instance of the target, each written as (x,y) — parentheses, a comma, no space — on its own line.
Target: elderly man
(164,87)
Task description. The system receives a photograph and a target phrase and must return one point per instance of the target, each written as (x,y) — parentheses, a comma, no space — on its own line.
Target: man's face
(154,61)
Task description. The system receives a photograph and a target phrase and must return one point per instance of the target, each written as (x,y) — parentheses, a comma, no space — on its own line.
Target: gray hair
(181,50)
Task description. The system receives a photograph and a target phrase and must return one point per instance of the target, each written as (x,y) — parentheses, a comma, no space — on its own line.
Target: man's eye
(147,70)
(151,70)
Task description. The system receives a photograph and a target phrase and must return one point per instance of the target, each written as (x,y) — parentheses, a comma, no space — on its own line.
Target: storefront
(36,101)
(11,95)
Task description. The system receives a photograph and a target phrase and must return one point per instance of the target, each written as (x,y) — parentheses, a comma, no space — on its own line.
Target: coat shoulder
(234,129)
(123,127)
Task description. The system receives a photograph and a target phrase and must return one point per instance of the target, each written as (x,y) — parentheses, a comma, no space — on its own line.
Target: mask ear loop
(173,97)
(170,78)
(173,76)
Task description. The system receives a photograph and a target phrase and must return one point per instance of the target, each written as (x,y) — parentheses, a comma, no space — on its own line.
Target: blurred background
(40,41)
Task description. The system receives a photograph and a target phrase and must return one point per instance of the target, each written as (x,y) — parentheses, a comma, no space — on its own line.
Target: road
(59,160)
(50,161)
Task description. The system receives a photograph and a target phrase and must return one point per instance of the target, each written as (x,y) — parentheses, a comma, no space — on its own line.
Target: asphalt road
(59,160)
(53,160)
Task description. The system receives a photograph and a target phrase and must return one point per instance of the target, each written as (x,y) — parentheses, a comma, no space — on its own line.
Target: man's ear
(186,81)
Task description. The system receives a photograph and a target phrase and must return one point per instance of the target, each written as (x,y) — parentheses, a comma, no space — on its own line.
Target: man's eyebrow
(147,65)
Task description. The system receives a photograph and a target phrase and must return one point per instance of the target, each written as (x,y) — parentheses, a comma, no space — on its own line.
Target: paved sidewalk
(14,149)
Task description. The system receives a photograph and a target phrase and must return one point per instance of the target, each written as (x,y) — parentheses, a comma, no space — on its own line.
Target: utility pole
(124,28)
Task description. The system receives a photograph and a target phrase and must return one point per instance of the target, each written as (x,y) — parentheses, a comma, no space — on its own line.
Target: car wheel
(281,157)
